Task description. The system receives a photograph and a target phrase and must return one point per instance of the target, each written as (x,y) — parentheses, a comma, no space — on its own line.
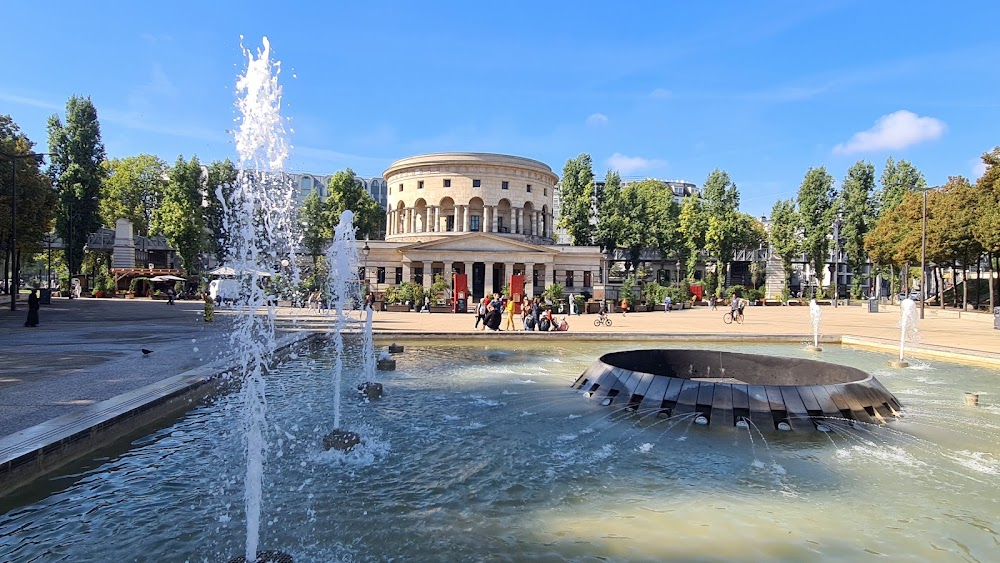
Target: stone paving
(88,350)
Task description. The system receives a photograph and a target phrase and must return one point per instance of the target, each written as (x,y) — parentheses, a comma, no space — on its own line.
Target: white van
(224,290)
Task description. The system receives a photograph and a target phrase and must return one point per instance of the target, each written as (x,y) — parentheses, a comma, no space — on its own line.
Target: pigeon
(146,352)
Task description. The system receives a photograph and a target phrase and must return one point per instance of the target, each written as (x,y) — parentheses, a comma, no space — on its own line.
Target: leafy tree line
(83,190)
(640,216)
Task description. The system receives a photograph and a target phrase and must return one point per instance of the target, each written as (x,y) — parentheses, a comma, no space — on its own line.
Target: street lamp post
(923,255)
(366,250)
(836,259)
(678,265)
(15,269)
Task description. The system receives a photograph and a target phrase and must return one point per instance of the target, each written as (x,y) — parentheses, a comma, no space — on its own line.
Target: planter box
(129,296)
(397,308)
(440,308)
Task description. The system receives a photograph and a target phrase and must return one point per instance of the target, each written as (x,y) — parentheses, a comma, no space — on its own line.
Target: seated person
(544,324)
(493,316)
(563,326)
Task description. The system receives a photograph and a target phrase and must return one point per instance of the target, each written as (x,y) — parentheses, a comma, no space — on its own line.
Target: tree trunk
(993,263)
(979,276)
(939,279)
(965,287)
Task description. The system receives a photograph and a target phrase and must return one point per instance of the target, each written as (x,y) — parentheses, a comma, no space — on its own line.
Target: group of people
(493,310)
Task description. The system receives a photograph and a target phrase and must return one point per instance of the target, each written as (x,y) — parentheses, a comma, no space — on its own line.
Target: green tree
(609,221)
(858,218)
(576,200)
(784,235)
(897,179)
(817,209)
(131,190)
(35,200)
(179,216)
(987,227)
(692,227)
(724,231)
(219,187)
(313,225)
(347,193)
(77,174)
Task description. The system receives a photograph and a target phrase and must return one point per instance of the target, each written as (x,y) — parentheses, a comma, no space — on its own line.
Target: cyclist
(603,313)
(736,308)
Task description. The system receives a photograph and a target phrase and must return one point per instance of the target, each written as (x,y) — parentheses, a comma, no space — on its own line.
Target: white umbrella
(228,271)
(167,277)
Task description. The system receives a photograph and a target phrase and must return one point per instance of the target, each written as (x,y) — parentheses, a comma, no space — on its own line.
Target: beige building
(485,215)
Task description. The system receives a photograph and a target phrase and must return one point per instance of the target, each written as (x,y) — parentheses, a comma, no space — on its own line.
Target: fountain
(257,219)
(815,313)
(342,261)
(771,393)
(484,451)
(907,329)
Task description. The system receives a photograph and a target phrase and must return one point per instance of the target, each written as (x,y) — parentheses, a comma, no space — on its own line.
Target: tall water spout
(257,219)
(907,327)
(815,313)
(342,289)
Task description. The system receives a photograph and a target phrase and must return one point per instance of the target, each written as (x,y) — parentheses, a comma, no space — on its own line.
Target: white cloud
(596,119)
(660,94)
(626,165)
(894,131)
(978,168)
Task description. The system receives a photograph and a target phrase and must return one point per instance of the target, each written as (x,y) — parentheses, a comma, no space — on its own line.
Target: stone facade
(447,194)
(452,213)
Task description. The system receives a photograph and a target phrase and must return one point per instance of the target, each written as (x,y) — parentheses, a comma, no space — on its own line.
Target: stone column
(488,282)
(428,274)
(435,217)
(535,218)
(529,279)
(458,218)
(388,222)
(495,220)
(406,272)
(466,218)
(550,274)
(508,271)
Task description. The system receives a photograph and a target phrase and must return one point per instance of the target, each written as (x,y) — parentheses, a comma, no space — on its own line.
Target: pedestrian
(480,314)
(209,306)
(624,306)
(510,315)
(712,303)
(170,296)
(32,309)
(666,304)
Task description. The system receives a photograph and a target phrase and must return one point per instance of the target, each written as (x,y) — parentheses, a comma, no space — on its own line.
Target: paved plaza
(89,350)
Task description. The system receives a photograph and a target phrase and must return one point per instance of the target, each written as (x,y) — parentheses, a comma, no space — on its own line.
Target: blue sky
(764,90)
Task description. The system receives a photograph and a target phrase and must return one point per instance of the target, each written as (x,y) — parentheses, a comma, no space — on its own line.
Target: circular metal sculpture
(727,389)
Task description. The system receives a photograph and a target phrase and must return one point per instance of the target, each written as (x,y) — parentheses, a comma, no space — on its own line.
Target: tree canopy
(817,210)
(179,216)
(576,200)
(77,173)
(131,190)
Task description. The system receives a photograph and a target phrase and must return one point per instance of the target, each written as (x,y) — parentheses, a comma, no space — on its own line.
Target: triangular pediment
(477,242)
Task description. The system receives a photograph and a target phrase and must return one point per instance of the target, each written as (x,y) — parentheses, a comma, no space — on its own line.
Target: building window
(420,184)
(504,185)
(587,280)
(447,182)
(545,191)
(477,183)
(569,278)
(529,188)
(435,272)
(418,275)
(401,187)
(449,223)
(380,274)
(500,226)
(474,223)
(399,275)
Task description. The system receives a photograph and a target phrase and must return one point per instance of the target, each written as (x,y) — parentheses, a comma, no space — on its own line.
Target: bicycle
(731,316)
(602,320)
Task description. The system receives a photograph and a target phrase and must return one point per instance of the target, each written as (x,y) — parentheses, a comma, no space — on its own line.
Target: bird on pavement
(146,352)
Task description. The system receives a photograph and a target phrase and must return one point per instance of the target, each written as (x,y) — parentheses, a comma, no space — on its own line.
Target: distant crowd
(492,311)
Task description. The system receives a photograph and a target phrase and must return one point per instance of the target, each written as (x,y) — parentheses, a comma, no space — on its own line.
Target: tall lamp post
(366,250)
(836,259)
(15,269)
(923,253)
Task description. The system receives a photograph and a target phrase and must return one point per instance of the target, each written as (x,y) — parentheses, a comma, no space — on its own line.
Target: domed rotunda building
(488,216)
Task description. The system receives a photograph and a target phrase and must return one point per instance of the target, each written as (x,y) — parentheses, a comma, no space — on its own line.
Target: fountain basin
(721,389)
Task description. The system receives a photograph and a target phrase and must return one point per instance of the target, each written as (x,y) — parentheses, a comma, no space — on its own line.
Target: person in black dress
(32,309)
